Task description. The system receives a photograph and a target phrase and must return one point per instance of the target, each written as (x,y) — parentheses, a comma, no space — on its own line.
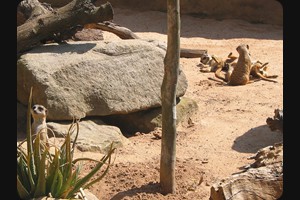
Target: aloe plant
(42,173)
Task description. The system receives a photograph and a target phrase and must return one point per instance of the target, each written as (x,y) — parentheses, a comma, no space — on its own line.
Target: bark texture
(168,93)
(77,12)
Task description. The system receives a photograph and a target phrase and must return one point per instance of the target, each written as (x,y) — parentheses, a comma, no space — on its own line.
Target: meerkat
(226,66)
(39,125)
(206,63)
(211,63)
(259,70)
(241,72)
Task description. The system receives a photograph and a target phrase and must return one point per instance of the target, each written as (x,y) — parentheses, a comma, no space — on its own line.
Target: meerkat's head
(243,48)
(205,58)
(38,111)
(264,69)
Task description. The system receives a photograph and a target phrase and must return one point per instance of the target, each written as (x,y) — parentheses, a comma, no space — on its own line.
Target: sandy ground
(229,126)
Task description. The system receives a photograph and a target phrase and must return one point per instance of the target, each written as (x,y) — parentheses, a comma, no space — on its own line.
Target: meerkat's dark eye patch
(40,108)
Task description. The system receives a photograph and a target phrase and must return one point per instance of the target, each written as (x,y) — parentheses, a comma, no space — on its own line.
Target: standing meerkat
(39,126)
(241,71)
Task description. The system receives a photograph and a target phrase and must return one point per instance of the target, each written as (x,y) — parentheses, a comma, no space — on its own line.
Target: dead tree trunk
(29,9)
(168,94)
(125,33)
(121,32)
(192,53)
(77,12)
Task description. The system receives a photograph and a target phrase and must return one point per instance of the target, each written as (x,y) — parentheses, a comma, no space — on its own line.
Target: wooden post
(168,94)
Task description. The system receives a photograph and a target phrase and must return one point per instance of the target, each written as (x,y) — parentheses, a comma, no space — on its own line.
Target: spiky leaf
(22,192)
(52,171)
(84,180)
(41,183)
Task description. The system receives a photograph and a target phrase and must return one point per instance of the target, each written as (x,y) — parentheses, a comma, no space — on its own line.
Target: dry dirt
(229,126)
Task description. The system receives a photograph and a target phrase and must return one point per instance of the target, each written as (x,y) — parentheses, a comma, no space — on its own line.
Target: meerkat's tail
(219,81)
(264,65)
(215,59)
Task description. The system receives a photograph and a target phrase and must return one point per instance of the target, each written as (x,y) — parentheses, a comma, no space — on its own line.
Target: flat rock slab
(93,136)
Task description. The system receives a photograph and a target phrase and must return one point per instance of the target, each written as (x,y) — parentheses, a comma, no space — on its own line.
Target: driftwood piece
(77,12)
(45,25)
(122,32)
(267,156)
(191,53)
(29,9)
(125,33)
(276,123)
(33,8)
(262,180)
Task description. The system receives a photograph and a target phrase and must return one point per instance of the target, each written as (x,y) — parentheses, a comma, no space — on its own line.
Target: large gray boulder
(147,121)
(94,78)
(21,121)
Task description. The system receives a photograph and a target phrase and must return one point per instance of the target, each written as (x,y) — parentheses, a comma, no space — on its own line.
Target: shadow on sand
(256,138)
(147,188)
(191,26)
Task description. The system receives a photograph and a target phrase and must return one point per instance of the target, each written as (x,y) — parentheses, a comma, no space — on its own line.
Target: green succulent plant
(42,173)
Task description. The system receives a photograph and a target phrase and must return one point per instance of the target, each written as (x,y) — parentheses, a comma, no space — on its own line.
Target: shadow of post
(147,188)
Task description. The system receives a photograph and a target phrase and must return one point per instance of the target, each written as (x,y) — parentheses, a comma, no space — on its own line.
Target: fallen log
(121,32)
(77,12)
(43,26)
(262,179)
(192,53)
(29,9)
(125,33)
